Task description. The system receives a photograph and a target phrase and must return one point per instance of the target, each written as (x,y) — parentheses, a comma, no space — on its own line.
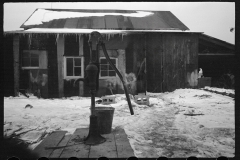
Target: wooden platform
(116,145)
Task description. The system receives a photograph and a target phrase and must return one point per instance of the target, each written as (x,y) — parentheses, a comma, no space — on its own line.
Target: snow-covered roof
(88,31)
(103,19)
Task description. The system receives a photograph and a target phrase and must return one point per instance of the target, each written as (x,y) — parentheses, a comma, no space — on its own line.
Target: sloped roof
(212,41)
(103,19)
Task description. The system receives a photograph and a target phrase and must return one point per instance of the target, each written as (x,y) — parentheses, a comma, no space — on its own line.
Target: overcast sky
(213,18)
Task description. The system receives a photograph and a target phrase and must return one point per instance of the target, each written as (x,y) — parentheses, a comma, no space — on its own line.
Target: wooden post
(60,53)
(81,88)
(16,63)
(81,83)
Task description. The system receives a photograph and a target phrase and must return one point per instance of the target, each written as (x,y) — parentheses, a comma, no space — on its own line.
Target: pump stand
(94,136)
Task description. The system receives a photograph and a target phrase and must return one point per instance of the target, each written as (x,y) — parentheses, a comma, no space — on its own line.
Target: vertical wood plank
(124,148)
(81,88)
(60,53)
(51,141)
(81,45)
(71,23)
(16,63)
(111,22)
(76,147)
(107,149)
(43,60)
(98,23)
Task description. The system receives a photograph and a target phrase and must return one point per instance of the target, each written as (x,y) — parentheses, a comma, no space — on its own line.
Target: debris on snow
(160,129)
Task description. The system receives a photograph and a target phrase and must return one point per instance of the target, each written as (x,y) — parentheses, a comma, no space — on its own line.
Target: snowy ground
(183,123)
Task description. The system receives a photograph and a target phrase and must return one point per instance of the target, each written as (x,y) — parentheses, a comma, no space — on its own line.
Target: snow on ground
(183,123)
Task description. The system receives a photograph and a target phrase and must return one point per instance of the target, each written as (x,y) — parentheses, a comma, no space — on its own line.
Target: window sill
(69,78)
(107,77)
(30,67)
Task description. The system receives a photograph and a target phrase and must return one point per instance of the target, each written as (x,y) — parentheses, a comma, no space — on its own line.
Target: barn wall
(180,60)
(154,62)
(135,63)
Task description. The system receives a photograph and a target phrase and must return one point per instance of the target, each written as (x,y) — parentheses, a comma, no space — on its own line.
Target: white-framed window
(34,59)
(106,71)
(73,67)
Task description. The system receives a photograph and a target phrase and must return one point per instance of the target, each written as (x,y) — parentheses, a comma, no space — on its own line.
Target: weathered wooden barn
(52,52)
(217,59)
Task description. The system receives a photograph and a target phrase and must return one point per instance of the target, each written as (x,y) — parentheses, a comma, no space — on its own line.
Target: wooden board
(124,148)
(57,152)
(71,23)
(106,149)
(111,22)
(76,148)
(51,141)
(60,53)
(98,23)
(16,63)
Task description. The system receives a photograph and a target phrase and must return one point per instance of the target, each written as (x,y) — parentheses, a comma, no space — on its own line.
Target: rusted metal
(115,19)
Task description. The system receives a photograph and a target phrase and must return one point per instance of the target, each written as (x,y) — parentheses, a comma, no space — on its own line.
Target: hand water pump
(92,71)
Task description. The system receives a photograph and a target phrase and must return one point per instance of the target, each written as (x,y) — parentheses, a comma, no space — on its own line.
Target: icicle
(89,37)
(57,38)
(29,40)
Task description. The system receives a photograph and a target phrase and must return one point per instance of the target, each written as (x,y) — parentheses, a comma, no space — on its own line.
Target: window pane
(103,61)
(113,61)
(34,55)
(69,66)
(34,62)
(26,54)
(77,71)
(77,61)
(26,62)
(112,73)
(110,68)
(104,73)
(104,67)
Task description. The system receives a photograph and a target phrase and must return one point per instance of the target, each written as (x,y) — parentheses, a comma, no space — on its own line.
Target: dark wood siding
(52,67)
(154,62)
(179,51)
(135,55)
(8,66)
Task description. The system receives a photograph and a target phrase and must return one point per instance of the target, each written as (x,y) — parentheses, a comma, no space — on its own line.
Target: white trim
(106,77)
(65,67)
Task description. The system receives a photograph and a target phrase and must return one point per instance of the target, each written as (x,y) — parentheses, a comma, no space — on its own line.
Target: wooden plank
(124,149)
(107,149)
(80,45)
(138,23)
(60,53)
(76,147)
(57,152)
(111,22)
(98,23)
(81,88)
(71,23)
(16,63)
(51,141)
(84,22)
